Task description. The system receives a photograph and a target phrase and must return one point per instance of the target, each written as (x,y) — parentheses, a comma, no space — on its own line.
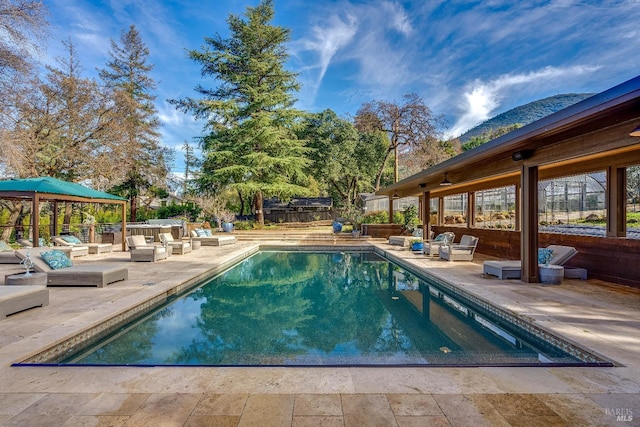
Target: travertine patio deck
(602,317)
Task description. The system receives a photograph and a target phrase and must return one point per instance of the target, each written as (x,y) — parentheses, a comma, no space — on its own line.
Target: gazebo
(54,190)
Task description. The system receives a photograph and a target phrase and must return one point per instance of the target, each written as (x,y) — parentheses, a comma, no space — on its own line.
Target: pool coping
(90,334)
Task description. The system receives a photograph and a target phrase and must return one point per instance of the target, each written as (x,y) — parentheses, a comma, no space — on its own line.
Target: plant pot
(227,227)
(337,227)
(418,246)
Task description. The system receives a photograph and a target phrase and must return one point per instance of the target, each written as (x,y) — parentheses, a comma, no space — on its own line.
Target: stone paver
(602,317)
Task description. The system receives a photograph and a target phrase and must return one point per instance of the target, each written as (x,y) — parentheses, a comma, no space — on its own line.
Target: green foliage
(188,210)
(251,146)
(244,225)
(398,217)
(128,75)
(344,160)
(376,217)
(490,135)
(410,218)
(525,114)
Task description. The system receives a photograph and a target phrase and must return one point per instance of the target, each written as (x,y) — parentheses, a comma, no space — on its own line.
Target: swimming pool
(326,309)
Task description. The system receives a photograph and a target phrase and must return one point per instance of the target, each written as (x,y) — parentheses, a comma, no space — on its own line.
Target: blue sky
(469,60)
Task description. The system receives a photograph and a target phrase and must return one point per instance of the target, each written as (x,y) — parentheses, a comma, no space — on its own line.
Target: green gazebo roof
(62,190)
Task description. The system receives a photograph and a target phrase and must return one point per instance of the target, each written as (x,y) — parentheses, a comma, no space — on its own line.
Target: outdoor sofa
(207,238)
(98,275)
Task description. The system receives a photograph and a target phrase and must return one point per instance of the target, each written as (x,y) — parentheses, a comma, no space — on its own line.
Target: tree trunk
(14,208)
(258,201)
(382,167)
(133,202)
(66,222)
(241,203)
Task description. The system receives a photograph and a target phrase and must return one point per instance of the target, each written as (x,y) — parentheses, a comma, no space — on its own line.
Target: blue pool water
(321,309)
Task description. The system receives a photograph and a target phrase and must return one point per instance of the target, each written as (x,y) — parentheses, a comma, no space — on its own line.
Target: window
(496,208)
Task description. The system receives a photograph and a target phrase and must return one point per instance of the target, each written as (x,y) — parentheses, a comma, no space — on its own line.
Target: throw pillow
(4,247)
(207,232)
(56,259)
(439,238)
(200,232)
(544,255)
(71,239)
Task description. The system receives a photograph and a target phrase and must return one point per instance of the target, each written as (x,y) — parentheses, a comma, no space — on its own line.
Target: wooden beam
(471,209)
(35,221)
(616,201)
(426,214)
(529,233)
(55,218)
(124,227)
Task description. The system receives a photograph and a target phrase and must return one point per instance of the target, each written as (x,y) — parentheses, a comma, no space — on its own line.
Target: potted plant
(337,226)
(416,244)
(226,218)
(411,219)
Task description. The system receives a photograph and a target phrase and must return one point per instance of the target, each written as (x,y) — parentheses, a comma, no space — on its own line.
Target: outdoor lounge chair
(432,247)
(72,241)
(462,251)
(70,251)
(512,269)
(212,240)
(142,251)
(18,298)
(77,275)
(178,247)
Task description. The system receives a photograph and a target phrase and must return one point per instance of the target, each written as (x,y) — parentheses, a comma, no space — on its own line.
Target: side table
(39,279)
(551,274)
(196,244)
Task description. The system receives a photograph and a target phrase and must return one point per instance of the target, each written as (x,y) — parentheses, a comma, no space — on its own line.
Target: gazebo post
(35,220)
(124,226)
(55,218)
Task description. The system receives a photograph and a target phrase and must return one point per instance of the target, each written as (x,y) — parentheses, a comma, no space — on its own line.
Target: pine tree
(142,158)
(251,146)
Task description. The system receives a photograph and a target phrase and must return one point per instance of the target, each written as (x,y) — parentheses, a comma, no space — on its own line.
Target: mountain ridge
(525,114)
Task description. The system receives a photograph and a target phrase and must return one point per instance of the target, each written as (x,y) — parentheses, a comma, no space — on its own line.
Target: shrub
(243,225)
(375,217)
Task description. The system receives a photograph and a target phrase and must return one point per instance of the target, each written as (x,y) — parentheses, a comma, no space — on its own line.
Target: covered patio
(597,134)
(48,189)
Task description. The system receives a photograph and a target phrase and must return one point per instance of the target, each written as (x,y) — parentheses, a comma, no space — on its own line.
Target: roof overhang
(584,136)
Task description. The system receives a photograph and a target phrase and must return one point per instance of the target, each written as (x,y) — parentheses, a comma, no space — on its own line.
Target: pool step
(298,236)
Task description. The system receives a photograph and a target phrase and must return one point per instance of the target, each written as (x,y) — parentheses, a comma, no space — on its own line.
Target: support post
(35,221)
(426,214)
(55,218)
(124,227)
(518,223)
(471,209)
(529,232)
(616,201)
(390,209)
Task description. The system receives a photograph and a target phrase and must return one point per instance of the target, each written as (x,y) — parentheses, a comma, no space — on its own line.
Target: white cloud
(358,34)
(481,99)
